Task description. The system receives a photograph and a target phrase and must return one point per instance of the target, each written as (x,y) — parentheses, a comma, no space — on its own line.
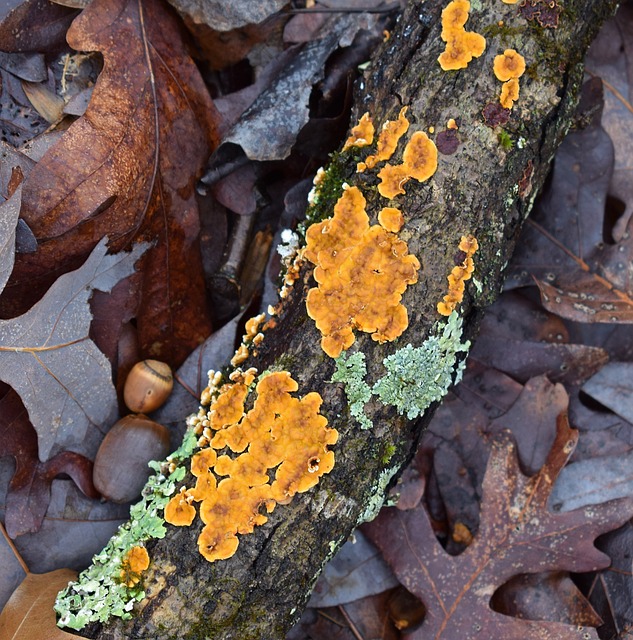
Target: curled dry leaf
(127,169)
(517,534)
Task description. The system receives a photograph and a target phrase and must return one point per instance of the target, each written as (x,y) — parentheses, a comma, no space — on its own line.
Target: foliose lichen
(418,376)
(100,592)
(351,371)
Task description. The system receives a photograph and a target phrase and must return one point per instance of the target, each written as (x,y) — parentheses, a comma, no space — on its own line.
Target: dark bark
(483,190)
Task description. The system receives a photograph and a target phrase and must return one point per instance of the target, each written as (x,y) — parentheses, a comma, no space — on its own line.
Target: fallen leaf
(517,534)
(30,487)
(74,529)
(29,612)
(127,169)
(33,25)
(355,572)
(13,568)
(611,590)
(545,596)
(60,375)
(593,481)
(612,387)
(224,16)
(9,212)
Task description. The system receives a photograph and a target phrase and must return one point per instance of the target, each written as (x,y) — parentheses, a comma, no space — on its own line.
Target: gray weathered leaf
(9,212)
(593,481)
(48,358)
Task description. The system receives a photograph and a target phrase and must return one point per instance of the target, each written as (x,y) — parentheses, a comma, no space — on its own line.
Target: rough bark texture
(482,189)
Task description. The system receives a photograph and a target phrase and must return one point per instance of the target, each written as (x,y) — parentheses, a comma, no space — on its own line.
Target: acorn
(120,468)
(147,386)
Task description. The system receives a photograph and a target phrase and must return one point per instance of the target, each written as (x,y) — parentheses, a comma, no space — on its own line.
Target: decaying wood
(482,189)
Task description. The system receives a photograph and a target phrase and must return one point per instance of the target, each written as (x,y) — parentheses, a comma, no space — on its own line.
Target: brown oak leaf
(127,169)
(517,535)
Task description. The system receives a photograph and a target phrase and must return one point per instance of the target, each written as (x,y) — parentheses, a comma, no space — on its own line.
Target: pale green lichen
(351,371)
(99,592)
(418,376)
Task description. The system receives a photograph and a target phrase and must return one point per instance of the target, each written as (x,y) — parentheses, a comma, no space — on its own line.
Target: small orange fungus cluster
(388,140)
(457,277)
(509,67)
(391,219)
(419,162)
(135,562)
(461,45)
(362,134)
(283,449)
(362,273)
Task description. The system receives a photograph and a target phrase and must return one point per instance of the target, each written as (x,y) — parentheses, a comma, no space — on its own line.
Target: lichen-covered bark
(483,189)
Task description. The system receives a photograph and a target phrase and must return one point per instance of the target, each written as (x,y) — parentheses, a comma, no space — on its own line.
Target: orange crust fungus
(461,45)
(419,162)
(457,277)
(391,219)
(283,449)
(135,562)
(509,93)
(509,64)
(362,135)
(361,271)
(388,139)
(509,67)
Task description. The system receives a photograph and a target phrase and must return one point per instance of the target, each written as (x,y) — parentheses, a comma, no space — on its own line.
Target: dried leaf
(355,572)
(30,487)
(33,25)
(9,212)
(47,357)
(29,612)
(127,169)
(612,387)
(517,534)
(13,568)
(593,481)
(224,16)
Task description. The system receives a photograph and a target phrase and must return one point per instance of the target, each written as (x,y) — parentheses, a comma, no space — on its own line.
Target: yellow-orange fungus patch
(509,64)
(461,45)
(509,93)
(420,157)
(362,135)
(388,139)
(134,563)
(392,180)
(451,124)
(283,448)
(454,17)
(362,272)
(179,512)
(468,246)
(391,219)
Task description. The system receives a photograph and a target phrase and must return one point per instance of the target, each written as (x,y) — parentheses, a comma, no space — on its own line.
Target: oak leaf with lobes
(127,170)
(46,355)
(517,535)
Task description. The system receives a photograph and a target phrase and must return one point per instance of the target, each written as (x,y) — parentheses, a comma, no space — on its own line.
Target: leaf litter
(489,400)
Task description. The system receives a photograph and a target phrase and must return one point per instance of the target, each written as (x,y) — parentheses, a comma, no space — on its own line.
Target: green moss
(505,140)
(388,454)
(504,32)
(327,191)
